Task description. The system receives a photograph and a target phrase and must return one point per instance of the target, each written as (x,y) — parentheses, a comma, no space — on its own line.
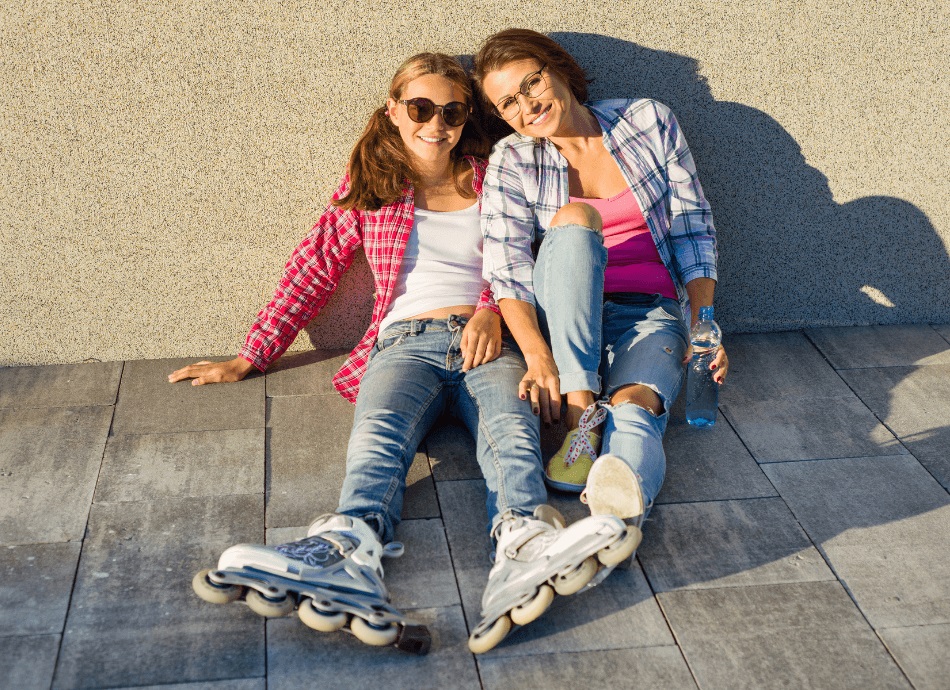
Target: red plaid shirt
(316,266)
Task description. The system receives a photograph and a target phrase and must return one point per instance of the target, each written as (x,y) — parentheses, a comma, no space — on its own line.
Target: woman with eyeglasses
(597,237)
(411,200)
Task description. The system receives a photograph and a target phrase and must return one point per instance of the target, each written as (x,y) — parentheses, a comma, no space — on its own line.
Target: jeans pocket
(388,342)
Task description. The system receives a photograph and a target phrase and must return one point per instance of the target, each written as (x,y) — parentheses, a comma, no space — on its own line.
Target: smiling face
(429,142)
(541,117)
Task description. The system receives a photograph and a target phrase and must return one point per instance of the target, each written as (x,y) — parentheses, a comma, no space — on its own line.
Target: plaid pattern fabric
(526,183)
(316,266)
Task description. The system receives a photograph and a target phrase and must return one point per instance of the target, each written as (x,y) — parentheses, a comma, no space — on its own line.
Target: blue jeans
(642,339)
(414,375)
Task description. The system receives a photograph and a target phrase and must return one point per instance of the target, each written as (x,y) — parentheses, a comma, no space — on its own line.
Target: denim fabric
(569,287)
(414,375)
(642,340)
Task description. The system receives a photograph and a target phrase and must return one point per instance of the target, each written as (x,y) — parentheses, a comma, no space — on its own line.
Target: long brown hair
(380,166)
(512,45)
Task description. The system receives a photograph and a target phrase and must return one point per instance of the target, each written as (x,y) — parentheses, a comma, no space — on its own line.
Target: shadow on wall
(790,256)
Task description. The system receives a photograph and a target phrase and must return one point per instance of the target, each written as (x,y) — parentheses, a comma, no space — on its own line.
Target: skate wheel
(532,610)
(375,636)
(269,608)
(214,593)
(318,620)
(621,549)
(575,581)
(479,644)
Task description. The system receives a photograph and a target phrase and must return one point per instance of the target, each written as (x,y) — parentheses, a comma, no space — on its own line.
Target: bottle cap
(706,313)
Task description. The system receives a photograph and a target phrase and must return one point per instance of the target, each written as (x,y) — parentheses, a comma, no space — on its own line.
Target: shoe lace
(592,416)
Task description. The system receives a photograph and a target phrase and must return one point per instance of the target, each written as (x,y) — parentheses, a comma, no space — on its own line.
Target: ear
(392,110)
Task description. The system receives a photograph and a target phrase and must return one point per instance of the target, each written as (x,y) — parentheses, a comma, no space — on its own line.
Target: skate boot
(614,489)
(333,577)
(538,556)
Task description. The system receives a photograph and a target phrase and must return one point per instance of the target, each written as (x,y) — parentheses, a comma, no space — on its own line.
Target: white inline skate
(333,578)
(538,556)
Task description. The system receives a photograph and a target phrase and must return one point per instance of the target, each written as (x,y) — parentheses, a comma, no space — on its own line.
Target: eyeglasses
(422,110)
(532,86)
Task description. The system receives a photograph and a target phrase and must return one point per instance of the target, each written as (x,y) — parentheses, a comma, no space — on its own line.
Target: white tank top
(442,264)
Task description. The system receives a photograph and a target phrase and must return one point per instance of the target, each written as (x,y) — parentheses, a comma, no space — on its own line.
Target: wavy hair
(380,166)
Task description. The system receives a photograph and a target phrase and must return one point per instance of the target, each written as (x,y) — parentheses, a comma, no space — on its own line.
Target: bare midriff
(467,310)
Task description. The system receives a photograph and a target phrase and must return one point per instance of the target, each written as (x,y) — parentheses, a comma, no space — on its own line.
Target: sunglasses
(422,110)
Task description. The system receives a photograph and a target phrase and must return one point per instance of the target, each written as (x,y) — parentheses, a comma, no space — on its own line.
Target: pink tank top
(633,263)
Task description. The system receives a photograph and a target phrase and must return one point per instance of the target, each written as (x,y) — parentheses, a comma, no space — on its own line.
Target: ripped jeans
(414,376)
(642,339)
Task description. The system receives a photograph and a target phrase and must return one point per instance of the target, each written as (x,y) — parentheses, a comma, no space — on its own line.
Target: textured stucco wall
(159,161)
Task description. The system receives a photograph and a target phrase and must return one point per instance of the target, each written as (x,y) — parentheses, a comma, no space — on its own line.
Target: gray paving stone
(880,346)
(63,385)
(27,663)
(451,451)
(49,459)
(809,429)
(914,402)
(648,667)
(884,525)
(301,658)
(466,522)
(776,366)
(307,462)
(229,684)
(728,544)
(619,613)
(306,457)
(922,652)
(149,404)
(304,373)
(943,329)
(846,499)
(134,620)
(708,464)
(793,635)
(141,467)
(35,583)
(423,576)
(420,500)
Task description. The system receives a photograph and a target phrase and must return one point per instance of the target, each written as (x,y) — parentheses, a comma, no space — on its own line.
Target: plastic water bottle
(702,392)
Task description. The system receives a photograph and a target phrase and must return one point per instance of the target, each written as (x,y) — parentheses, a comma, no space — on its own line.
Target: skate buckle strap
(592,416)
(530,529)
(393,549)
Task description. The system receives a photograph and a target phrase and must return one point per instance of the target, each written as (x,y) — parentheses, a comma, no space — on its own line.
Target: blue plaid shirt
(526,183)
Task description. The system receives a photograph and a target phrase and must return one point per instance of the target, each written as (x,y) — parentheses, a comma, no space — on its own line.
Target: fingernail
(535,410)
(713,366)
(524,397)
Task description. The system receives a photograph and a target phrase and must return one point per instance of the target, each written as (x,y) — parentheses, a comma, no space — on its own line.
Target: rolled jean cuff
(580,381)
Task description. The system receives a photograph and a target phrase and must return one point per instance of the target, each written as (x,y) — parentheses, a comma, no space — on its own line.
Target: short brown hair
(380,165)
(512,45)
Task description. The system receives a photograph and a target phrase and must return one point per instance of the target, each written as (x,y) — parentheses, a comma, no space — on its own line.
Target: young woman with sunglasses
(410,199)
(576,176)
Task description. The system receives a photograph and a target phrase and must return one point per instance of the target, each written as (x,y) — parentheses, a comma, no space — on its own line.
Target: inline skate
(538,556)
(333,577)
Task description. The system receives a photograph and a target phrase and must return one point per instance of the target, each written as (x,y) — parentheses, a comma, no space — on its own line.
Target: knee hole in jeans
(641,395)
(579,213)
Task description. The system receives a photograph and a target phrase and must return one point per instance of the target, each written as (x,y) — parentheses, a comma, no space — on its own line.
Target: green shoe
(569,467)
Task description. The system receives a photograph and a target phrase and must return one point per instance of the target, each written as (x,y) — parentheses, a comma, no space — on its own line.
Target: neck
(579,125)
(432,175)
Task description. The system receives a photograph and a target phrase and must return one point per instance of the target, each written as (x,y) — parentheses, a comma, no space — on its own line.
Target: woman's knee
(578,213)
(640,395)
